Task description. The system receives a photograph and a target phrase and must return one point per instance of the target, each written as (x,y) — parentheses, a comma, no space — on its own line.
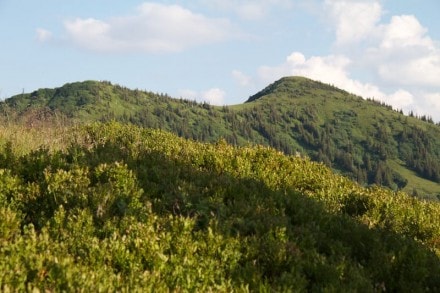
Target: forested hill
(363,139)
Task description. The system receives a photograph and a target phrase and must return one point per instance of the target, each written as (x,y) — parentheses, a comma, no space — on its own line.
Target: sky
(223,51)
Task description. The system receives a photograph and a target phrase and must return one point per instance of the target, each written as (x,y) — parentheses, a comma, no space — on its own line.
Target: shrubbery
(121,208)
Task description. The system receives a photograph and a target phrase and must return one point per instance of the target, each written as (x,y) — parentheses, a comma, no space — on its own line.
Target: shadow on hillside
(288,235)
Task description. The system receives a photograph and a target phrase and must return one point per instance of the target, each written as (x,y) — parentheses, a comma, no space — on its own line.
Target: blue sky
(223,51)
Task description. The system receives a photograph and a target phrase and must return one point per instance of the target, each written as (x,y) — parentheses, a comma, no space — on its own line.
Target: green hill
(362,139)
(115,207)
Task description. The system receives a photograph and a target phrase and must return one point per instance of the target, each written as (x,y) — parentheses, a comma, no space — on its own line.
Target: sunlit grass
(415,183)
(23,139)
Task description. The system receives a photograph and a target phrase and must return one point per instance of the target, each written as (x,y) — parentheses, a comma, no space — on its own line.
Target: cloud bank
(153,27)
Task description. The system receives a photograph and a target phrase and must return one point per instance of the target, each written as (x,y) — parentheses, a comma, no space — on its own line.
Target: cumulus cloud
(406,55)
(405,31)
(153,28)
(418,71)
(213,96)
(401,99)
(354,20)
(400,53)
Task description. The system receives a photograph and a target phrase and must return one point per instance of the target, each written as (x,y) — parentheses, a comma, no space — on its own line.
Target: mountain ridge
(363,139)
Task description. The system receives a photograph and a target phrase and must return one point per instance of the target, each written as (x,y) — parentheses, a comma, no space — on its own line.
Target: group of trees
(420,152)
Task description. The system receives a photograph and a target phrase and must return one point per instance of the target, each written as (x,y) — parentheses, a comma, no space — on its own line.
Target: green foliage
(122,208)
(363,140)
(294,115)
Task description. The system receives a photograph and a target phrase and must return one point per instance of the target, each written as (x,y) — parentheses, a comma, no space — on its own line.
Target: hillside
(364,140)
(113,207)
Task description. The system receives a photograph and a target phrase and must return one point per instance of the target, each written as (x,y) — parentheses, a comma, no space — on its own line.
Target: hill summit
(292,85)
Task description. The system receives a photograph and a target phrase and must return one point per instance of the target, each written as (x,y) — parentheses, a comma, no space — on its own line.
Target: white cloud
(42,35)
(154,28)
(401,99)
(354,20)
(405,31)
(399,53)
(419,71)
(425,103)
(406,56)
(327,68)
(90,33)
(213,96)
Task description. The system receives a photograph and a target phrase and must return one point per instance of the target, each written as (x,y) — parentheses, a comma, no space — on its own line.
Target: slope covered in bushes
(114,207)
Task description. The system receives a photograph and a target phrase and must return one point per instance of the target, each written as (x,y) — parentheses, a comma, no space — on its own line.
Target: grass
(22,139)
(415,182)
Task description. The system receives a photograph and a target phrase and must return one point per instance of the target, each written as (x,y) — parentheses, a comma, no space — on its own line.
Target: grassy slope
(113,207)
(240,124)
(415,182)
